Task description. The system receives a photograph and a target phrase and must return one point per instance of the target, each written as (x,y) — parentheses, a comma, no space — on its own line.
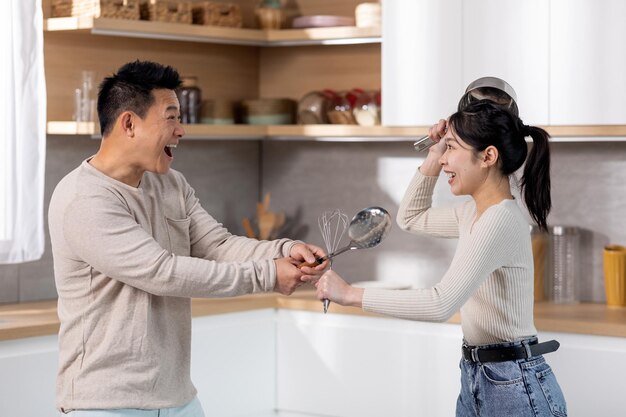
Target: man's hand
(309,253)
(288,275)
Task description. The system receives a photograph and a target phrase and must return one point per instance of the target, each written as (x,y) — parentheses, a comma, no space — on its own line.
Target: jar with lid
(367,109)
(340,109)
(189,97)
(564,269)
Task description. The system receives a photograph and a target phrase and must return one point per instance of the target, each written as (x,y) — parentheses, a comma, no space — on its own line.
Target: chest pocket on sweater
(178,233)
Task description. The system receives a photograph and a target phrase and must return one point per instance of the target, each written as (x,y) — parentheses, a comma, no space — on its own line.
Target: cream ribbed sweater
(126,261)
(490,278)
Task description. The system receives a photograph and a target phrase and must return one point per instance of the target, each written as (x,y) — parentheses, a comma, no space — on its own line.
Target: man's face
(158,131)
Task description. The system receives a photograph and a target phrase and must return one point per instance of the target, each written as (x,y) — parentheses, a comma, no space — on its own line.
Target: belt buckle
(474,354)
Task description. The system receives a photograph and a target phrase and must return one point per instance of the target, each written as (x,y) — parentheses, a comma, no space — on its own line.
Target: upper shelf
(215,34)
(345,133)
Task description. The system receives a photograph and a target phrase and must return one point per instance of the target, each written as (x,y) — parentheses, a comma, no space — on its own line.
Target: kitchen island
(39,318)
(269,355)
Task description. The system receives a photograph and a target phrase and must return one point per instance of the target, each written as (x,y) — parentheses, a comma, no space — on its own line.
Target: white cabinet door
(233,363)
(28,369)
(509,39)
(588,62)
(590,370)
(421,61)
(345,366)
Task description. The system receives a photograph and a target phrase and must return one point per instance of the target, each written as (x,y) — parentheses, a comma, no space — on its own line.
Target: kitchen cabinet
(28,370)
(379,366)
(344,366)
(590,370)
(433,49)
(588,62)
(422,54)
(233,368)
(233,363)
(279,358)
(510,40)
(564,59)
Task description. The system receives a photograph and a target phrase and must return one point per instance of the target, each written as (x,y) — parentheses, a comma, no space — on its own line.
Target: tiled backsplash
(587,189)
(306,178)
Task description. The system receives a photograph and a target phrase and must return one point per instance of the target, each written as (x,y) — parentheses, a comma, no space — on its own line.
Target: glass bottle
(189,97)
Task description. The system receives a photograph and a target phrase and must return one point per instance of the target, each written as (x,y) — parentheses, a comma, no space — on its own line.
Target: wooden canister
(615,275)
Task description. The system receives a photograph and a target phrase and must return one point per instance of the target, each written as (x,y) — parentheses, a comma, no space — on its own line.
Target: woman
(503,372)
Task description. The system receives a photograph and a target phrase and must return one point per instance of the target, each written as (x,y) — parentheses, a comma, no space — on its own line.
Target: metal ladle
(367,229)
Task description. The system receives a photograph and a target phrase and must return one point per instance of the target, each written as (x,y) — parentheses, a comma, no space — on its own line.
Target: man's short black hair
(130,89)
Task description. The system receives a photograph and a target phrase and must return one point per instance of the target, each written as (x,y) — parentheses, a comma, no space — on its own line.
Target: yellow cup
(615,275)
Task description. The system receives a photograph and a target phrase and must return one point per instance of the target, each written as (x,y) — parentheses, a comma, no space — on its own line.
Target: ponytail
(535,181)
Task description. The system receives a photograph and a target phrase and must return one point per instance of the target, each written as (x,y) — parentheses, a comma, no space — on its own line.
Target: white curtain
(22,131)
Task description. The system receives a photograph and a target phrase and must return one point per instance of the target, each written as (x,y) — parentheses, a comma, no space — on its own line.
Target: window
(22,132)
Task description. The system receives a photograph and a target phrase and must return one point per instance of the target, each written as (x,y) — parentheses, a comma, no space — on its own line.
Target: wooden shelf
(214,34)
(196,131)
(72,128)
(587,131)
(338,133)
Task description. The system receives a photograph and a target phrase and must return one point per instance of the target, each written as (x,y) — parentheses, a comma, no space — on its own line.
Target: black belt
(509,353)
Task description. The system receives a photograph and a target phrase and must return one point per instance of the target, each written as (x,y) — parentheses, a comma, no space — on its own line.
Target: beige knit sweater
(126,262)
(490,278)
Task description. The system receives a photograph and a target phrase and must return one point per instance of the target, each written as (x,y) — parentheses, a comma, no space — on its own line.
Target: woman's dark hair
(131,90)
(484,124)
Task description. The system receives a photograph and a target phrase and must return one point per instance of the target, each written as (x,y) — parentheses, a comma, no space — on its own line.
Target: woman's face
(462,165)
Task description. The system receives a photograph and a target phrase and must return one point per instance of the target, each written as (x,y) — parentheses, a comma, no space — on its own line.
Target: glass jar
(313,107)
(190,98)
(340,109)
(367,109)
(564,270)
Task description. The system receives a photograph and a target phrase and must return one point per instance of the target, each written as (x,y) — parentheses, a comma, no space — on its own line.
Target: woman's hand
(431,166)
(436,133)
(332,287)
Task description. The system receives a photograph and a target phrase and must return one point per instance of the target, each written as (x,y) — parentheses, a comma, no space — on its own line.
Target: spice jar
(340,111)
(367,109)
(189,97)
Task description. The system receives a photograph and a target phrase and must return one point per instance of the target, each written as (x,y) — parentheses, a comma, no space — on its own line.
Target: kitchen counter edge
(33,319)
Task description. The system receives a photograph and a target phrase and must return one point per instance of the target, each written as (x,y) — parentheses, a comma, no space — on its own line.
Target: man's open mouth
(168,149)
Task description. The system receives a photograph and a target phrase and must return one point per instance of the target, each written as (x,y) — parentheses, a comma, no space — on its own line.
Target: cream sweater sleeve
(416,215)
(489,246)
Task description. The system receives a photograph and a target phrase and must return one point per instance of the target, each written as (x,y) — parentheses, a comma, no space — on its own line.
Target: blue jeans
(520,388)
(191,409)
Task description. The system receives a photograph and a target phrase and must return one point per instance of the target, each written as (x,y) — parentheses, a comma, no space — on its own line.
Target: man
(131,245)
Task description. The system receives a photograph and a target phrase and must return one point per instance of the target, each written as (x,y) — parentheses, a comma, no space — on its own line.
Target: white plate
(385,285)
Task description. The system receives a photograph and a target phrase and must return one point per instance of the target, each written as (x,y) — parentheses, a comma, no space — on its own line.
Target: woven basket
(170,11)
(211,13)
(116,9)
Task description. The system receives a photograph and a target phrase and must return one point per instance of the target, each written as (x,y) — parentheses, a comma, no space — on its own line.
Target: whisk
(333,225)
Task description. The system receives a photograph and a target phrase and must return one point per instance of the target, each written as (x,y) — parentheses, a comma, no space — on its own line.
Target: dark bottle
(190,97)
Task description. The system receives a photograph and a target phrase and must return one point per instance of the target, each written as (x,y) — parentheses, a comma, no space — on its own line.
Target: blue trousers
(516,388)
